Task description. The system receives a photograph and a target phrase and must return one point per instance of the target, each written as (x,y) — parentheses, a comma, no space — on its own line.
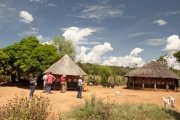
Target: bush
(23,108)
(97,110)
(120,80)
(92,110)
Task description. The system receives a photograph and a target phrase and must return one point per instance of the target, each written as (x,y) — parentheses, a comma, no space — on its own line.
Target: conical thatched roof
(65,66)
(153,70)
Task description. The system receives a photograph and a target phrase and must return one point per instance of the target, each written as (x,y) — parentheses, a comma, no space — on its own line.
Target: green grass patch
(97,110)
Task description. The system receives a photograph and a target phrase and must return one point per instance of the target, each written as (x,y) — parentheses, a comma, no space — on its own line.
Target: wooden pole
(133,83)
(142,85)
(175,87)
(167,87)
(128,84)
(154,86)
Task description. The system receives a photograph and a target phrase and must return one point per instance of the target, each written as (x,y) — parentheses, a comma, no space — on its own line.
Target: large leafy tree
(29,56)
(43,56)
(63,46)
(177,55)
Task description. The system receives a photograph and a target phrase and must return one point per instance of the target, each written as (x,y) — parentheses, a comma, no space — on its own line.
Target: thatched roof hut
(152,74)
(66,66)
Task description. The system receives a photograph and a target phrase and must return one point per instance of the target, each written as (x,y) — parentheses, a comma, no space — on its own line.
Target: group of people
(48,80)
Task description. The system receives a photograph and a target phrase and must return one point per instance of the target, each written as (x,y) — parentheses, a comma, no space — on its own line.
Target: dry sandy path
(64,102)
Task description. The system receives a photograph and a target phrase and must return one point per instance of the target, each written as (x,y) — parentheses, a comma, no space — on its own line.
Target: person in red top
(63,83)
(50,80)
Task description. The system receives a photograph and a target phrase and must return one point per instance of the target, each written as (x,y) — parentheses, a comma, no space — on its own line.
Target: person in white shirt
(44,82)
(80,83)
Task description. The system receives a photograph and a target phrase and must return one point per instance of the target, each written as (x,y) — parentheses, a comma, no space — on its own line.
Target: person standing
(80,83)
(50,80)
(33,83)
(63,83)
(44,82)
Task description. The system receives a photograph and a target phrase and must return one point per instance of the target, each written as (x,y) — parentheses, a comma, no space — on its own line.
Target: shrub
(98,110)
(120,80)
(23,108)
(92,110)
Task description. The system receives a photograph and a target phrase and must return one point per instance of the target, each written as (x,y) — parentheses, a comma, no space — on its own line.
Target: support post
(142,85)
(133,84)
(154,86)
(128,83)
(167,87)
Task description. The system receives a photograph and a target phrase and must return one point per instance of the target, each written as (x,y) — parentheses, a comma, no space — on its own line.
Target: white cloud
(88,43)
(77,34)
(172,62)
(160,22)
(7,12)
(31,31)
(35,0)
(25,17)
(136,51)
(155,42)
(139,34)
(95,54)
(43,39)
(51,5)
(131,60)
(173,43)
(172,13)
(100,12)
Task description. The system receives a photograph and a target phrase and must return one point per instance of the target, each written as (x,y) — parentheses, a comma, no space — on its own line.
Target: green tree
(42,57)
(105,72)
(177,55)
(29,56)
(64,46)
(162,60)
(3,61)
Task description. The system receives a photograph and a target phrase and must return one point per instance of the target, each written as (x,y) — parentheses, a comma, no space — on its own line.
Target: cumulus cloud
(131,60)
(136,51)
(155,42)
(25,17)
(95,54)
(173,43)
(172,62)
(86,54)
(160,22)
(77,34)
(100,11)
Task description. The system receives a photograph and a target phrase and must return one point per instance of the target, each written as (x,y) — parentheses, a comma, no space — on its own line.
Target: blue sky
(113,32)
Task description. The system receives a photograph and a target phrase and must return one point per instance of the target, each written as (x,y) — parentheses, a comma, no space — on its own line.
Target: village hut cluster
(152,75)
(66,66)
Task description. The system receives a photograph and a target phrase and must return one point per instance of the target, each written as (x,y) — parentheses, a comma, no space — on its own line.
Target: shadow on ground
(173,113)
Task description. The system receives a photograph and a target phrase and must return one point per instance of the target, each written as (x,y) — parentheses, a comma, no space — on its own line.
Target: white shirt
(79,82)
(45,77)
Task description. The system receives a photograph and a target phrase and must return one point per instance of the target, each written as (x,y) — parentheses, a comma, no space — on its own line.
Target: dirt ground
(64,102)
